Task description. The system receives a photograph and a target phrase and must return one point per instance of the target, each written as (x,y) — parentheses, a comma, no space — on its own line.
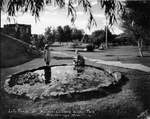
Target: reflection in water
(79,70)
(47,72)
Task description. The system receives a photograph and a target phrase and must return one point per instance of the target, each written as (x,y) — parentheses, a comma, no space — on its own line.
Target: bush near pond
(90,47)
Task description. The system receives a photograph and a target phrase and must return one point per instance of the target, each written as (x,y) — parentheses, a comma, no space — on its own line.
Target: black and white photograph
(75,59)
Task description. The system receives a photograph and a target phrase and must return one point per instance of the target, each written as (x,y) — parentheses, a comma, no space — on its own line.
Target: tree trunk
(140,47)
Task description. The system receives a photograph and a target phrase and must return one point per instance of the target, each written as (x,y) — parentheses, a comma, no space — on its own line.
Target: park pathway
(113,63)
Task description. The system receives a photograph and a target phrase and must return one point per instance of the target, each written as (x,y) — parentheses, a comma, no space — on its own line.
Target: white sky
(53,16)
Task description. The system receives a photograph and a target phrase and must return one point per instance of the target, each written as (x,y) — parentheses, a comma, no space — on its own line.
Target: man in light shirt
(47,52)
(47,59)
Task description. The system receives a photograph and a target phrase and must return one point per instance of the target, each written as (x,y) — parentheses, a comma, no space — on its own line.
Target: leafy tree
(112,7)
(37,45)
(60,34)
(41,41)
(38,41)
(77,34)
(135,22)
(99,36)
(122,39)
(54,33)
(67,33)
(50,35)
(85,38)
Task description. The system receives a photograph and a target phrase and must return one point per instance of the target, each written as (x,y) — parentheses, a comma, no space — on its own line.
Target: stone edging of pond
(117,76)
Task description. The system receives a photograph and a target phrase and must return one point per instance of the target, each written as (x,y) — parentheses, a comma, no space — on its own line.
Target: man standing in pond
(47,59)
(47,54)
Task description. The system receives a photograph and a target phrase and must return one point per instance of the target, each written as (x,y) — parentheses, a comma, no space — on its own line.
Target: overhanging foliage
(112,7)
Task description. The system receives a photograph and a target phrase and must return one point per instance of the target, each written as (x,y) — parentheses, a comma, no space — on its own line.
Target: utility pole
(0,18)
(1,8)
(106,40)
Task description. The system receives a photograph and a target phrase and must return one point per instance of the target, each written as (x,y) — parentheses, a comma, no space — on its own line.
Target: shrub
(34,51)
(90,47)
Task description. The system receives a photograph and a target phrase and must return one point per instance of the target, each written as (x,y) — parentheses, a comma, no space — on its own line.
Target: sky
(54,16)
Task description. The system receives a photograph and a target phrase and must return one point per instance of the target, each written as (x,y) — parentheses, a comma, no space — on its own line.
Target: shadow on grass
(142,90)
(7,63)
(116,55)
(143,56)
(73,50)
(63,58)
(76,47)
(118,87)
(57,46)
(77,97)
(54,116)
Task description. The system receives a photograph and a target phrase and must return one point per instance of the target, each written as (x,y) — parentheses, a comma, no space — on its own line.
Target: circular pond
(64,81)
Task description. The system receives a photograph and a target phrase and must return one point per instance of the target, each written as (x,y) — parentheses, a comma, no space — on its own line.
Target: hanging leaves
(72,12)
(60,3)
(33,6)
(112,8)
(91,22)
(2,2)
(88,9)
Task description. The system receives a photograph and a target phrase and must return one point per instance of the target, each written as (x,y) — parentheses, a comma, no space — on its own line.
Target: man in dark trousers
(47,59)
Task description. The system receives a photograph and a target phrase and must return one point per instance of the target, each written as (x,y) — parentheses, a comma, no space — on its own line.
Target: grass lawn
(13,52)
(131,100)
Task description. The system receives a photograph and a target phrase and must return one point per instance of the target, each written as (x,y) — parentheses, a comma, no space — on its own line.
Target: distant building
(20,31)
(12,29)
